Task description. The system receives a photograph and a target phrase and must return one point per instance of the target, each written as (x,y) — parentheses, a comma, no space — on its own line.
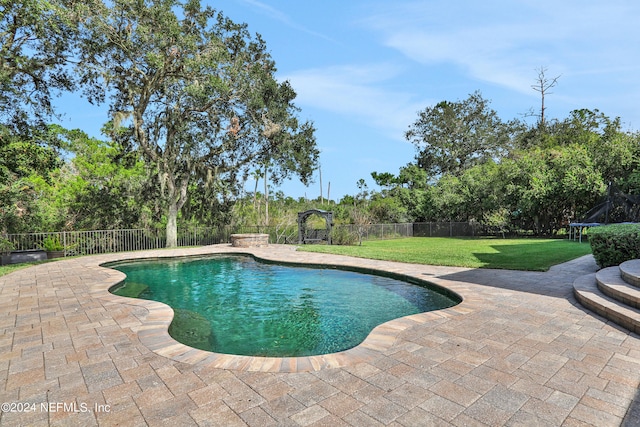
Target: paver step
(630,272)
(611,283)
(586,290)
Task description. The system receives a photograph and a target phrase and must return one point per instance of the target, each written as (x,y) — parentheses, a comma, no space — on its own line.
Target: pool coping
(155,325)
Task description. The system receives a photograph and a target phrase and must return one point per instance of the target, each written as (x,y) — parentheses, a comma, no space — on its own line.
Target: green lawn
(512,254)
(6,269)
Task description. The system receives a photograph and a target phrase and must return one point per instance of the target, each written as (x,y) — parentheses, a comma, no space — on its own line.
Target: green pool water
(237,305)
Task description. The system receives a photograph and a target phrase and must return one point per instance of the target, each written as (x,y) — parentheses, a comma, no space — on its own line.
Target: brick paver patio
(518,351)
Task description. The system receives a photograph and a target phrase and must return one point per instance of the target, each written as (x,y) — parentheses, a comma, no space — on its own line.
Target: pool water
(237,305)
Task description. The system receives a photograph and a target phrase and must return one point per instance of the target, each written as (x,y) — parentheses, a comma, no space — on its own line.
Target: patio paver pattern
(518,351)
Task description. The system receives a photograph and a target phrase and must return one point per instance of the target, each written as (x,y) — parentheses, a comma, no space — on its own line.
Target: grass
(511,254)
(6,269)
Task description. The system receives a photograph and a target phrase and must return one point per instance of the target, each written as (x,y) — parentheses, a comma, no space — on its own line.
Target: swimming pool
(234,304)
